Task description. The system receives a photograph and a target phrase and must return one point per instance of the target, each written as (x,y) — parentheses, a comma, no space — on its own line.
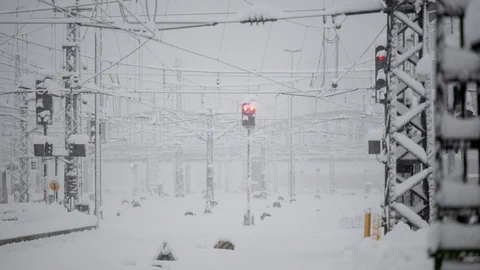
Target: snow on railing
(458,194)
(409,214)
(454,128)
(409,81)
(452,7)
(42,139)
(357,6)
(461,64)
(412,181)
(424,67)
(411,146)
(78,139)
(472,23)
(375,134)
(453,235)
(407,117)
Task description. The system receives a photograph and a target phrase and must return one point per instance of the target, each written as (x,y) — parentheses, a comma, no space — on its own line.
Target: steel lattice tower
(72,120)
(410,153)
(20,143)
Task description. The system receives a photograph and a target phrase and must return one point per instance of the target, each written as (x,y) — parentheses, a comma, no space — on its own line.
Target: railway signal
(248,115)
(380,74)
(248,122)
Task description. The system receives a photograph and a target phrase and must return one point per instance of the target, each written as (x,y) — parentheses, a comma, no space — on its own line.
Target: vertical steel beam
(210,188)
(71,78)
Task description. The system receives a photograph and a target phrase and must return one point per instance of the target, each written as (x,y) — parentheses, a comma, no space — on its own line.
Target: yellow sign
(54,185)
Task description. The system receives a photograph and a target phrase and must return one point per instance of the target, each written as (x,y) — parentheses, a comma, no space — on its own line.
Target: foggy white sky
(243,46)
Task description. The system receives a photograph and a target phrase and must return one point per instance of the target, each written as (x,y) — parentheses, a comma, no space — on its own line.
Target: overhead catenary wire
(297,68)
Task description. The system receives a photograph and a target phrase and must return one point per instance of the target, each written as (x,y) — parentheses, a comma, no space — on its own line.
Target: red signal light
(381,57)
(247,108)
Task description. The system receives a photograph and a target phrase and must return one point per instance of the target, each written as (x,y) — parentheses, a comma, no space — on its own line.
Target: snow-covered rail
(44,235)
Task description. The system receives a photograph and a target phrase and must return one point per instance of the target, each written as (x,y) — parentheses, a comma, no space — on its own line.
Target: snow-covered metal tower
(210,188)
(179,173)
(408,116)
(71,76)
(291,162)
(20,148)
(457,129)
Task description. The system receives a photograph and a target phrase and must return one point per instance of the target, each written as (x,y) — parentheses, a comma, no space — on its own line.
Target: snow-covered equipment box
(77,145)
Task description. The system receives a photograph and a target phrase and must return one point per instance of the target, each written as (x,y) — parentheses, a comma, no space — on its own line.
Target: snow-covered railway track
(44,235)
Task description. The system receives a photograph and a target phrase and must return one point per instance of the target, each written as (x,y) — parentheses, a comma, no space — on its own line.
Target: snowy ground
(305,235)
(23,219)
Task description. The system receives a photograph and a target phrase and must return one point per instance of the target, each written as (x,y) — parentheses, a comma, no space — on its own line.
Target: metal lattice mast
(71,78)
(210,187)
(408,136)
(179,174)
(20,148)
(291,162)
(456,130)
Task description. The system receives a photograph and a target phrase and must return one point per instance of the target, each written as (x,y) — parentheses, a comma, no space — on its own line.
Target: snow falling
(239,134)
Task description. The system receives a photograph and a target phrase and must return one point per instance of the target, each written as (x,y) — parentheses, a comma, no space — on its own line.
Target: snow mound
(258,13)
(400,232)
(401,248)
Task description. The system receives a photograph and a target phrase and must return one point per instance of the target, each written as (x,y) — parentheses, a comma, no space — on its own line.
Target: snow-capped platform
(29,219)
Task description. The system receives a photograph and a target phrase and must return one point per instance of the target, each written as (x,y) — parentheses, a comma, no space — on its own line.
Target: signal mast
(248,122)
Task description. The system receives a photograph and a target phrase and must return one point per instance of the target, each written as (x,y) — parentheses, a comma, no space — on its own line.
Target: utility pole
(291,161)
(98,180)
(71,78)
(210,189)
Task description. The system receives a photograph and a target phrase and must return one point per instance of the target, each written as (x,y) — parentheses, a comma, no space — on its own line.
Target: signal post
(248,122)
